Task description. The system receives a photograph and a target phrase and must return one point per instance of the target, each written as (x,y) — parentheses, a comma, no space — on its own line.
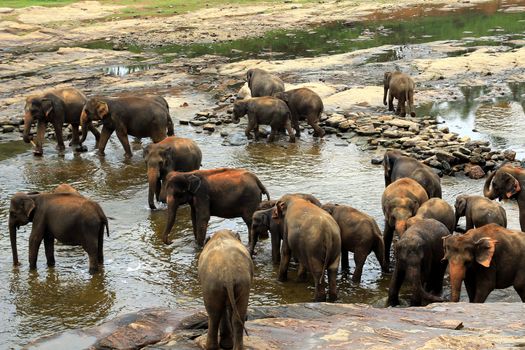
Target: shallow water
(140,271)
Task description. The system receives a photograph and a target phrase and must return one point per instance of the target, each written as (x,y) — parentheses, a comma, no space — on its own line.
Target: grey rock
(443,156)
(509,154)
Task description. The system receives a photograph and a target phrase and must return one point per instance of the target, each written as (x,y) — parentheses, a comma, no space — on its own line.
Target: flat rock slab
(315,326)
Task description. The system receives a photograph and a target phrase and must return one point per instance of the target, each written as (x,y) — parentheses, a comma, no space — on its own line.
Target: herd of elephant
(318,236)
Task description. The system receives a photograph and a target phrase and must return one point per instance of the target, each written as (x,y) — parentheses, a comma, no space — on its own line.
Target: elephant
(438,209)
(57,107)
(359,235)
(68,217)
(419,253)
(400,201)
(262,222)
(507,183)
(139,116)
(265,110)
(262,83)
(479,211)
(312,236)
(225,273)
(486,258)
(304,105)
(397,166)
(171,154)
(400,86)
(223,192)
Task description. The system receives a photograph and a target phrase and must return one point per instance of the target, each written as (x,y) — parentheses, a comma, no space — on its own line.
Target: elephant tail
(231,297)
(328,247)
(262,188)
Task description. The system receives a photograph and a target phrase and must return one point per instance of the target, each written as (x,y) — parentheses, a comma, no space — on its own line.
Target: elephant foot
(320,298)
(282,278)
(413,114)
(332,298)
(38,152)
(226,343)
(81,148)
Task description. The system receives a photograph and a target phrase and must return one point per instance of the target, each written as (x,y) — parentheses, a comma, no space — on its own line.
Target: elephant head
(504,185)
(329,208)
(95,109)
(389,159)
(37,108)
(21,212)
(261,221)
(181,188)
(462,251)
(460,207)
(240,108)
(399,211)
(386,85)
(249,76)
(158,161)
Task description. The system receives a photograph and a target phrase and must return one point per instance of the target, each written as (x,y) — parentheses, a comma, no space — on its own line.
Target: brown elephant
(171,154)
(265,110)
(401,87)
(312,236)
(262,222)
(57,107)
(400,201)
(486,258)
(139,116)
(223,192)
(437,209)
(507,183)
(397,166)
(419,253)
(359,235)
(479,211)
(304,105)
(225,274)
(81,222)
(65,188)
(262,83)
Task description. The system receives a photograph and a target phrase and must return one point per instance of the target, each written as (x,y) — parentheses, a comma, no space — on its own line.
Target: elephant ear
(386,78)
(194,183)
(47,107)
(512,185)
(461,205)
(28,206)
(279,211)
(446,255)
(146,150)
(102,109)
(485,250)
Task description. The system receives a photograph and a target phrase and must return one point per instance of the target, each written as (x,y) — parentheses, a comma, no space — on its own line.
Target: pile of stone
(10,124)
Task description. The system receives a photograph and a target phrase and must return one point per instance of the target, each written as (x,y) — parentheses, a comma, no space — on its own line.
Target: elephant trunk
(457,275)
(254,235)
(458,216)
(414,276)
(153,177)
(401,227)
(487,192)
(12,236)
(172,214)
(28,120)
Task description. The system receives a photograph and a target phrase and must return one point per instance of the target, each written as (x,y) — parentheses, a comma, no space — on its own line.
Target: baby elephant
(225,273)
(479,211)
(400,86)
(264,110)
(419,253)
(359,235)
(437,209)
(304,105)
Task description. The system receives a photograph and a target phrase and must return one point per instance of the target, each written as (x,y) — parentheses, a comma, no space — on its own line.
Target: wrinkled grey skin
(312,236)
(57,107)
(479,211)
(419,260)
(262,83)
(171,154)
(397,166)
(304,105)
(440,210)
(266,111)
(136,115)
(400,201)
(401,87)
(81,222)
(359,235)
(225,274)
(262,222)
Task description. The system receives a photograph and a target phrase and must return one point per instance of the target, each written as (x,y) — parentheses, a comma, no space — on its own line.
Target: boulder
(474,171)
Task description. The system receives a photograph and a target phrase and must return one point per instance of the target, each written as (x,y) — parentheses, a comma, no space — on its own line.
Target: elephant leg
(520,289)
(252,124)
(401,106)
(49,246)
(95,133)
(123,138)
(59,137)
(194,222)
(285,261)
(345,265)
(318,131)
(436,281)
(332,284)
(75,140)
(214,320)
(289,129)
(395,284)
(34,245)
(276,248)
(470,285)
(295,124)
(248,221)
(104,138)
(388,235)
(469,223)
(359,259)
(202,226)
(320,283)
(226,323)
(40,134)
(485,284)
(238,322)
(256,132)
(390,102)
(301,273)
(100,245)
(273,133)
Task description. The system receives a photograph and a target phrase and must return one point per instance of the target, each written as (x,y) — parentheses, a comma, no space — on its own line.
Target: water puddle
(121,70)
(496,114)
